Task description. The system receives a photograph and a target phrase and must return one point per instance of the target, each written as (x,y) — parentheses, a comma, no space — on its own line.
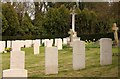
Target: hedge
(96,36)
(82,36)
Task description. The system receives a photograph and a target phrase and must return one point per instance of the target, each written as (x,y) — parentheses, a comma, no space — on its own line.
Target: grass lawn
(36,67)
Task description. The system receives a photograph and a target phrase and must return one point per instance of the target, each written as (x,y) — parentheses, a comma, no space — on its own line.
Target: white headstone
(2,46)
(56,40)
(1,50)
(17,59)
(8,44)
(36,47)
(64,40)
(16,46)
(38,41)
(59,44)
(49,43)
(78,55)
(51,60)
(45,41)
(28,43)
(105,51)
(22,42)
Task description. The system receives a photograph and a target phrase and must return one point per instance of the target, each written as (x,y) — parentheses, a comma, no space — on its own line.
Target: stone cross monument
(73,22)
(115,29)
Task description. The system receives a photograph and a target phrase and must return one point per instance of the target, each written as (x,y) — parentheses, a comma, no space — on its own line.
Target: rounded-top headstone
(105,51)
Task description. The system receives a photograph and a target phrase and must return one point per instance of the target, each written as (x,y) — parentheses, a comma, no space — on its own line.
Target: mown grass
(35,63)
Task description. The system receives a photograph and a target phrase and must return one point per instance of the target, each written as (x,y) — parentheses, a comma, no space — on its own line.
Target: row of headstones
(51,55)
(17,44)
(51,58)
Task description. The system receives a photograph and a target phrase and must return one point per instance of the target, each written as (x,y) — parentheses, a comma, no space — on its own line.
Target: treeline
(55,20)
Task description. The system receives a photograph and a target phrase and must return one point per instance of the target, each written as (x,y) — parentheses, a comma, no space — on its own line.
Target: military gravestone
(17,65)
(78,55)
(51,60)
(105,51)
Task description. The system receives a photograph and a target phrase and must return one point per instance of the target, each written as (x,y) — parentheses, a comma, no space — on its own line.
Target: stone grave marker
(49,43)
(65,41)
(36,47)
(38,41)
(22,42)
(28,43)
(51,60)
(2,46)
(105,51)
(16,46)
(78,55)
(17,60)
(56,42)
(8,44)
(59,44)
(45,41)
